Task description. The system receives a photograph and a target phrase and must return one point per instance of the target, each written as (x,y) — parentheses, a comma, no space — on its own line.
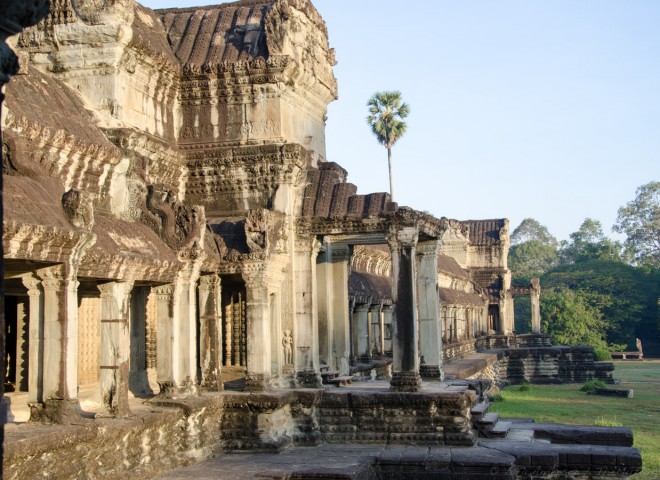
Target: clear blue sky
(519,108)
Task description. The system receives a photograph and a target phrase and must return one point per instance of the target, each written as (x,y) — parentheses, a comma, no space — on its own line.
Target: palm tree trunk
(389,164)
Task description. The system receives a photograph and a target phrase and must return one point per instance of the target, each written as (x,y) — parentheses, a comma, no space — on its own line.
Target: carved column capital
(209,281)
(32,284)
(255,280)
(340,252)
(163,292)
(402,237)
(307,244)
(362,307)
(429,248)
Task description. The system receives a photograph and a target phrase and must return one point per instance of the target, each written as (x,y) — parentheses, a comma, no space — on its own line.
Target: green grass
(566,404)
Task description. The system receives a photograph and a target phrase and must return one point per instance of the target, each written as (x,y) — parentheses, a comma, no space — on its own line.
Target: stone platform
(520,456)
(363,431)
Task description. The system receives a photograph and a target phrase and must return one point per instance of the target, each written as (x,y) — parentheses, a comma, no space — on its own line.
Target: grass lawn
(566,404)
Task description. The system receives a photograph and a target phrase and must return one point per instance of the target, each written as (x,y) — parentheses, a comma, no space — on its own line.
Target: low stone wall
(173,433)
(136,447)
(451,351)
(551,365)
(397,418)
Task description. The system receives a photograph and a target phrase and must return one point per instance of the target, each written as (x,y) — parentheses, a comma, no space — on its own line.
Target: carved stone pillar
(387,329)
(138,380)
(376,330)
(36,340)
(60,347)
(115,341)
(324,297)
(184,358)
(428,301)
(535,299)
(258,332)
(306,336)
(164,337)
(340,255)
(361,326)
(210,326)
(405,349)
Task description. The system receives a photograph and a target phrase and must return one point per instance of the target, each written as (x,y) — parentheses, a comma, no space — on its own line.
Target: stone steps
(488,424)
(327,375)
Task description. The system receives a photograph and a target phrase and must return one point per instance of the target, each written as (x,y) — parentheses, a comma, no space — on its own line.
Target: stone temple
(187,274)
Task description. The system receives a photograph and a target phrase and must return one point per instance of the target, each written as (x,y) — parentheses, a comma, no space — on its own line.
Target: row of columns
(53,341)
(416,341)
(370,323)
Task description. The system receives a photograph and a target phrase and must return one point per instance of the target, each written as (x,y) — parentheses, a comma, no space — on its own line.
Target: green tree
(531,259)
(386,113)
(533,251)
(571,319)
(640,221)
(589,243)
(625,296)
(531,229)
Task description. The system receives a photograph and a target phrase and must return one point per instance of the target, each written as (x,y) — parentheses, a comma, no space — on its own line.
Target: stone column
(387,329)
(376,330)
(60,347)
(535,299)
(184,365)
(164,337)
(306,335)
(340,254)
(210,326)
(324,297)
(405,349)
(138,380)
(114,351)
(258,331)
(361,325)
(36,342)
(428,301)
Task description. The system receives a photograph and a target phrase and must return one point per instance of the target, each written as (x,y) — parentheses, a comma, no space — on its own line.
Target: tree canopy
(531,229)
(587,281)
(386,113)
(571,319)
(589,243)
(639,219)
(625,296)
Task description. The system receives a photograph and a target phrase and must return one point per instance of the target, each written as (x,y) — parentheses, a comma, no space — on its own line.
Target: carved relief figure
(177,224)
(79,209)
(256,230)
(287,343)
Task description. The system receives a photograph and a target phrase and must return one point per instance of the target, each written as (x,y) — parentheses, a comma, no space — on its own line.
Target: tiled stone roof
(326,195)
(449,265)
(485,232)
(449,296)
(366,285)
(231,32)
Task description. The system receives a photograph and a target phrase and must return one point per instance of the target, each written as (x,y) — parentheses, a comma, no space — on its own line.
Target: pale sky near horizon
(519,108)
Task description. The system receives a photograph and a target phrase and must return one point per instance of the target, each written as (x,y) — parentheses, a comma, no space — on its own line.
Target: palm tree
(386,113)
